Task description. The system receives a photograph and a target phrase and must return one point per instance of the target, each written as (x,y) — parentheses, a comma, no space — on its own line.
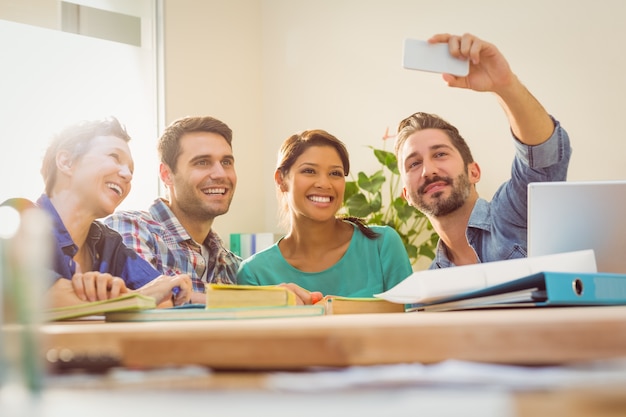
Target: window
(63,61)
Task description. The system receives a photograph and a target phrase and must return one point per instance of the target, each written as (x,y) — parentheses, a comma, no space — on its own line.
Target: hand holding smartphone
(432,57)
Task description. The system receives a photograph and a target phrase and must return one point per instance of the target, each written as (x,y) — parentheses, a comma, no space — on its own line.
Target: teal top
(369,266)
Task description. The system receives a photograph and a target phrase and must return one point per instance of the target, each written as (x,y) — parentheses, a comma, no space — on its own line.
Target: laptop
(568,216)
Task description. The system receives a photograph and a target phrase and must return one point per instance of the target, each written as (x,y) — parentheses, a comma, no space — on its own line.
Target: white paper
(428,285)
(454,374)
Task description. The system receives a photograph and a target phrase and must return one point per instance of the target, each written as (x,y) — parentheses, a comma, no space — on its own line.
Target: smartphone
(432,57)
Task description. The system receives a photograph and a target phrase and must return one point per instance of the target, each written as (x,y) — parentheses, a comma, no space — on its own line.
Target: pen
(175,292)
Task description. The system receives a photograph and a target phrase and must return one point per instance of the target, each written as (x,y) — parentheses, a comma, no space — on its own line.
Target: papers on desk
(430,285)
(453,374)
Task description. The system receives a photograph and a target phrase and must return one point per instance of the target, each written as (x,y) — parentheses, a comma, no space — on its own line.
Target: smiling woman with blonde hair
(87,170)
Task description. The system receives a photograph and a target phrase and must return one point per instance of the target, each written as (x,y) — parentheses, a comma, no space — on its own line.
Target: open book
(431,285)
(126,302)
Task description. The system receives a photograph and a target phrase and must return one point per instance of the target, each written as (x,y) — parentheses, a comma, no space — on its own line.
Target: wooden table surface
(535,336)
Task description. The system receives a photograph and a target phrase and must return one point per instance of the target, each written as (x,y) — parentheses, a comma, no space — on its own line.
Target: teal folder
(539,290)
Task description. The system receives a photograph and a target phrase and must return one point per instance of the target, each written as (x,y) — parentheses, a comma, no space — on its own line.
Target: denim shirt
(109,254)
(497,230)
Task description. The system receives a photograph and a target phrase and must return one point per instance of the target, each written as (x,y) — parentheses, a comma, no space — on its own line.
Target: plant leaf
(411,250)
(371,184)
(376,218)
(377,202)
(351,189)
(426,250)
(358,206)
(388,159)
(403,210)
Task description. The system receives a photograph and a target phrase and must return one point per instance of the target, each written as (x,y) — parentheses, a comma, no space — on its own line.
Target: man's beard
(443,206)
(196,208)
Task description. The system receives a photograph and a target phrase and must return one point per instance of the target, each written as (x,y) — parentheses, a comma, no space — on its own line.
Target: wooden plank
(522,336)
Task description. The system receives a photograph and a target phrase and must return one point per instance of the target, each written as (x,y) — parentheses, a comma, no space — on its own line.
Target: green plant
(377,199)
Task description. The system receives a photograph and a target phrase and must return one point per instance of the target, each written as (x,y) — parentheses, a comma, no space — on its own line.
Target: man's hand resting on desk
(162,289)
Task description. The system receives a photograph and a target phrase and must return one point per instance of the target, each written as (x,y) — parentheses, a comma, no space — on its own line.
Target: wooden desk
(521,336)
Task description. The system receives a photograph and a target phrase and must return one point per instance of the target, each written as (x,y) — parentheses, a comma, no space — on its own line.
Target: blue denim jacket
(497,230)
(109,255)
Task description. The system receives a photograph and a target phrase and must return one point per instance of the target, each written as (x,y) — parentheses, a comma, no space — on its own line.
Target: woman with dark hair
(321,251)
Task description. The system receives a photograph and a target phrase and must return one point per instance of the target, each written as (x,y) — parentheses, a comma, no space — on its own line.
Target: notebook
(569,216)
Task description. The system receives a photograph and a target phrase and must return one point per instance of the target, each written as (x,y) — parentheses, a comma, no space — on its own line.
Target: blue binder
(539,290)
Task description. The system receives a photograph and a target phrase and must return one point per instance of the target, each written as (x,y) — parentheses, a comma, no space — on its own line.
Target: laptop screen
(569,216)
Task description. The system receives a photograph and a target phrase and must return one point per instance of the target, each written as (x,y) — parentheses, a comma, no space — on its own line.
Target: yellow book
(126,302)
(334,304)
(237,296)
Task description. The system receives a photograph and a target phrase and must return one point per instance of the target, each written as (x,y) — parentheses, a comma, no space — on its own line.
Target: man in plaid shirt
(198,168)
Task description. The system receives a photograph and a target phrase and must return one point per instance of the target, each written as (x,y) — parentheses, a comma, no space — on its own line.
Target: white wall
(269,68)
(213,67)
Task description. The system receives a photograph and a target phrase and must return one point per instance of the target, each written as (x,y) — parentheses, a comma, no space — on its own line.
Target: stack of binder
(539,290)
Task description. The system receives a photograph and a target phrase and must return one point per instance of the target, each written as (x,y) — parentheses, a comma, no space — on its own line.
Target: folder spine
(585,288)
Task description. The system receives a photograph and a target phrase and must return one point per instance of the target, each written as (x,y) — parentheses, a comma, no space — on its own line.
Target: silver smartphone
(423,56)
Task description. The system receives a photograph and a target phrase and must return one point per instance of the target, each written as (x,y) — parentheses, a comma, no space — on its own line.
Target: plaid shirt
(158,237)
